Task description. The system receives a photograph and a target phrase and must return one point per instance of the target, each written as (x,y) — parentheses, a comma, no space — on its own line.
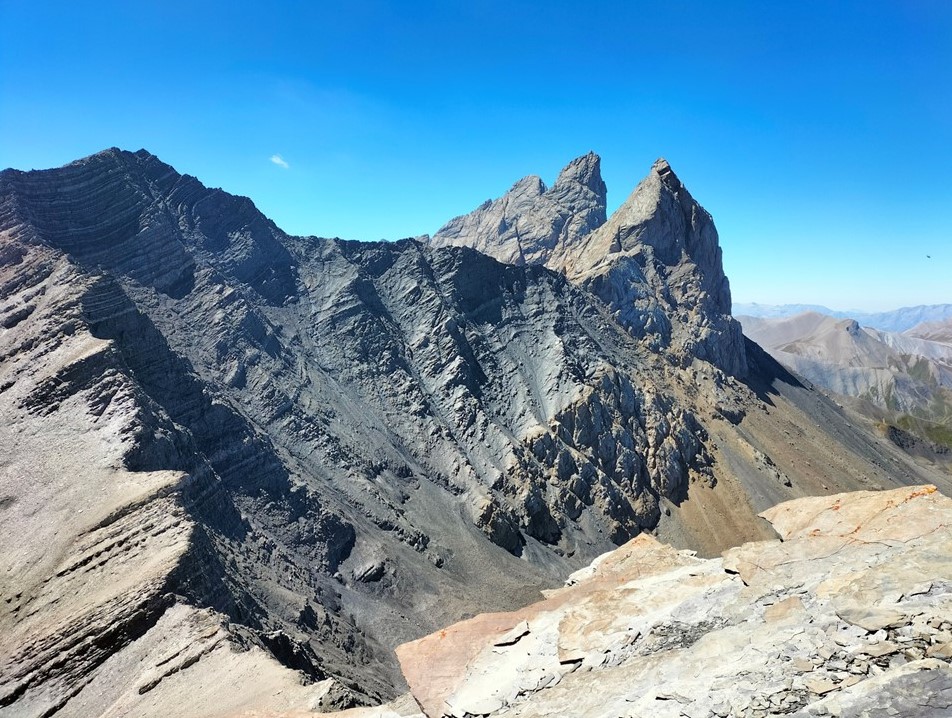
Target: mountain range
(232,459)
(903,380)
(897,320)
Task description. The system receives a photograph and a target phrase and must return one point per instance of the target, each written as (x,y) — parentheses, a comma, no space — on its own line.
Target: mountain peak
(659,226)
(112,153)
(115,159)
(528,223)
(666,174)
(117,201)
(529,186)
(584,170)
(661,232)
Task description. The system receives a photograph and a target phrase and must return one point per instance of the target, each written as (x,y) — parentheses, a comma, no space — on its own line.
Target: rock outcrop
(298,453)
(656,262)
(849,613)
(530,222)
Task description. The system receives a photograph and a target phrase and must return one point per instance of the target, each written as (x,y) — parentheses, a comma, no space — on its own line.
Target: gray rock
(647,630)
(529,222)
(656,262)
(200,412)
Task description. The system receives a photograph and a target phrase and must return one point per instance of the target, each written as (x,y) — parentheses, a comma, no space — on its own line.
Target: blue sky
(818,134)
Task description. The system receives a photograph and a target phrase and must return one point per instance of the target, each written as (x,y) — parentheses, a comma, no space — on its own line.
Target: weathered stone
(649,629)
(802,664)
(340,446)
(528,223)
(917,690)
(942,650)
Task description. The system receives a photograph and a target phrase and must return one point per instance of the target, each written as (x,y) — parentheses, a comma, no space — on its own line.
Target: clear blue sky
(819,134)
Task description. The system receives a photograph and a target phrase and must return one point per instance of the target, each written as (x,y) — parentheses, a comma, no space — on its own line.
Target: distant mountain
(908,378)
(933,331)
(897,320)
(774,311)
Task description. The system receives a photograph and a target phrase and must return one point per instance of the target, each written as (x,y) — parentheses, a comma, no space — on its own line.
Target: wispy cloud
(280,162)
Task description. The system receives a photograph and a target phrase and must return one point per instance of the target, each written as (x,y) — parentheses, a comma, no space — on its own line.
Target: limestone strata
(848,614)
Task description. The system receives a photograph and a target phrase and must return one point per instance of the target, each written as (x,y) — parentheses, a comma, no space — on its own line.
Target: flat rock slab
(847,615)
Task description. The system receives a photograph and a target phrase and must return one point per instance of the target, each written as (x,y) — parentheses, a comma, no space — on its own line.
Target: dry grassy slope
(792,441)
(932,331)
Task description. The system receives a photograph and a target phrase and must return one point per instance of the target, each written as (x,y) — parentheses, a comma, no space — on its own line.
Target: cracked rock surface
(847,614)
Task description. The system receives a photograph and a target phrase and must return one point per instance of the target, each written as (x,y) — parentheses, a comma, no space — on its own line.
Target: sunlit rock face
(850,613)
(656,262)
(531,222)
(226,451)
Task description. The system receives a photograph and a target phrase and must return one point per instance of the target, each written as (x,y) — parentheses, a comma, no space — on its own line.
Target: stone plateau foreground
(848,613)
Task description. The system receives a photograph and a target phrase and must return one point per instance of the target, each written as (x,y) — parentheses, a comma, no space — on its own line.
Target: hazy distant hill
(908,377)
(933,331)
(897,320)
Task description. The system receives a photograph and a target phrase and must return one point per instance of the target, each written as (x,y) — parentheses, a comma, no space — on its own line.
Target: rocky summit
(239,467)
(656,263)
(530,223)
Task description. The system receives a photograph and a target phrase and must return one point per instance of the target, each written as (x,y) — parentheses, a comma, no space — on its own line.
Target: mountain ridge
(902,380)
(656,262)
(530,221)
(896,320)
(335,444)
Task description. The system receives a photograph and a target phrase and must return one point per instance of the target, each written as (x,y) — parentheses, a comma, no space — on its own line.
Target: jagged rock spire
(657,263)
(584,171)
(530,221)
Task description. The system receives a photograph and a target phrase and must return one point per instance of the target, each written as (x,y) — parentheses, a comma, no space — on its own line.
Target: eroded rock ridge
(656,262)
(531,222)
(226,451)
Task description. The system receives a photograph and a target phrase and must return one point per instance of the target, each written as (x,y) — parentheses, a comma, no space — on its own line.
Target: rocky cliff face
(530,222)
(656,262)
(218,436)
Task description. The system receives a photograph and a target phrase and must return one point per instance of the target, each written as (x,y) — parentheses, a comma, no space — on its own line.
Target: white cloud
(279,161)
